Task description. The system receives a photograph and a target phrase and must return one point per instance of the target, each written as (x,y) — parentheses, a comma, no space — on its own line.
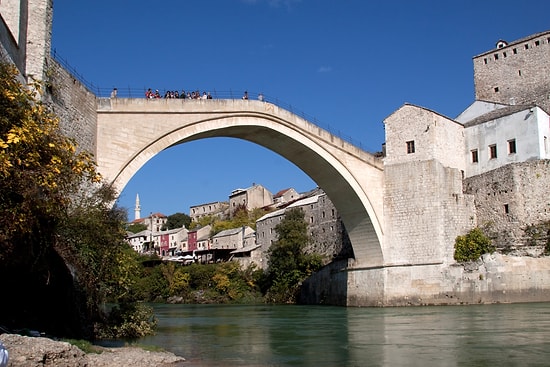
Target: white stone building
(496,135)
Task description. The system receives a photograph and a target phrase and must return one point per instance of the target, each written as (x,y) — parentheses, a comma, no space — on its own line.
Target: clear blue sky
(347,63)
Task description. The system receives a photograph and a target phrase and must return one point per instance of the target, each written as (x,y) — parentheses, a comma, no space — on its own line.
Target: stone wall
(516,74)
(425,210)
(325,228)
(495,278)
(510,199)
(25,34)
(432,136)
(75,105)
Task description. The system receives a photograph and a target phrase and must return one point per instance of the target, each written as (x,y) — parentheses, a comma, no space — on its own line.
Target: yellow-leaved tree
(61,239)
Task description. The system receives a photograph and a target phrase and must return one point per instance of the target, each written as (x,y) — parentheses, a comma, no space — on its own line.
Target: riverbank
(27,351)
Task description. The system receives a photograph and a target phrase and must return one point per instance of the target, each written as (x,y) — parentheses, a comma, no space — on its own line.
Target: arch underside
(354,213)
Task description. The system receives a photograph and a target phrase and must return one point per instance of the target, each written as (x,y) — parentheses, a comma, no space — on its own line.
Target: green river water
(267,335)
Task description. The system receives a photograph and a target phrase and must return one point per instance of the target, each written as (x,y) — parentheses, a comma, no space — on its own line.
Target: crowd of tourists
(175,94)
(149,94)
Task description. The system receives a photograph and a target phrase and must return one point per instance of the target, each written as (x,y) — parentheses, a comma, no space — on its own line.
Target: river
(268,335)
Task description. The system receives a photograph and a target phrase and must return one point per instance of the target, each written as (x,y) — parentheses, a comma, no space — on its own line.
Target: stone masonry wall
(516,74)
(425,210)
(511,198)
(75,105)
(432,135)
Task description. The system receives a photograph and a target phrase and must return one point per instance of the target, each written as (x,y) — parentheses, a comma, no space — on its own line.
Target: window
(526,46)
(504,54)
(492,151)
(506,209)
(537,43)
(496,56)
(475,157)
(496,89)
(512,146)
(485,61)
(515,51)
(410,147)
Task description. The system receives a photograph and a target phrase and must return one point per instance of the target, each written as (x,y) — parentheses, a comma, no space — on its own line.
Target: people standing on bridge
(245,95)
(149,93)
(114,93)
(260,97)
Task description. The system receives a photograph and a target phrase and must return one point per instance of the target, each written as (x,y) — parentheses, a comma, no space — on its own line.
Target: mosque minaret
(137,210)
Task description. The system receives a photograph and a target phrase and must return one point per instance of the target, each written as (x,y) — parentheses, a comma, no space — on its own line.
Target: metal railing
(136,92)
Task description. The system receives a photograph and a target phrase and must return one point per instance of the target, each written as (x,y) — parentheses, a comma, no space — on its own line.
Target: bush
(471,246)
(127,320)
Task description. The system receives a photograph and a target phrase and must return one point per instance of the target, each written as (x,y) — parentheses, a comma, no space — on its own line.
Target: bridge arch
(139,129)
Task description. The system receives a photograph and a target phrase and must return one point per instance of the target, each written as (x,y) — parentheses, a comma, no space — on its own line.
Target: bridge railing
(137,92)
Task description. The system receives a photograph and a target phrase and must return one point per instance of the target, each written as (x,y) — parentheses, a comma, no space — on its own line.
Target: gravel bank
(38,352)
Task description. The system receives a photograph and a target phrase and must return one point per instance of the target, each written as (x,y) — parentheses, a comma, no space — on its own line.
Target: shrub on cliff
(471,246)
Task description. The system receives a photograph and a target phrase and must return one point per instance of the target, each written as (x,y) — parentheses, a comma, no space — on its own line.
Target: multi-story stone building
(251,198)
(171,241)
(154,222)
(214,209)
(507,150)
(285,196)
(327,233)
(488,167)
(515,73)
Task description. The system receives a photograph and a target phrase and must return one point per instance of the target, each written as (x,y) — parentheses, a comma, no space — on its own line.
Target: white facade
(137,240)
(507,134)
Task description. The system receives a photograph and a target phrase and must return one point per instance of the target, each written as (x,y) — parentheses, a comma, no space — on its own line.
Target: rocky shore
(27,351)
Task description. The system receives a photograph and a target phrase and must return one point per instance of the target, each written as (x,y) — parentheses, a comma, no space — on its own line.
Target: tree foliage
(39,167)
(177,220)
(136,227)
(242,217)
(226,282)
(288,264)
(471,246)
(60,236)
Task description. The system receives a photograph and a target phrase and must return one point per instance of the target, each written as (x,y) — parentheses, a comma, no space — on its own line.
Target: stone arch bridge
(131,131)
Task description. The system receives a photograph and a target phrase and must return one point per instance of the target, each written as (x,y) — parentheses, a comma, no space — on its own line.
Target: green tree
(288,264)
(202,221)
(136,227)
(471,246)
(177,220)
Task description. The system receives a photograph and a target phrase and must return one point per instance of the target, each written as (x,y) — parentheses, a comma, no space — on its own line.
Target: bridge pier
(495,278)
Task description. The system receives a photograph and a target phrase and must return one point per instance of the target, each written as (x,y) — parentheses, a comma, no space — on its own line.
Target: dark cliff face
(40,294)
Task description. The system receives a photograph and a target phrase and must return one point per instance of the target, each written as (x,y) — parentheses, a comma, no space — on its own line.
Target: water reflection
(264,335)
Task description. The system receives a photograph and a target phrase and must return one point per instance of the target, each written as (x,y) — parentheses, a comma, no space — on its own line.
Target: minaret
(137,210)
